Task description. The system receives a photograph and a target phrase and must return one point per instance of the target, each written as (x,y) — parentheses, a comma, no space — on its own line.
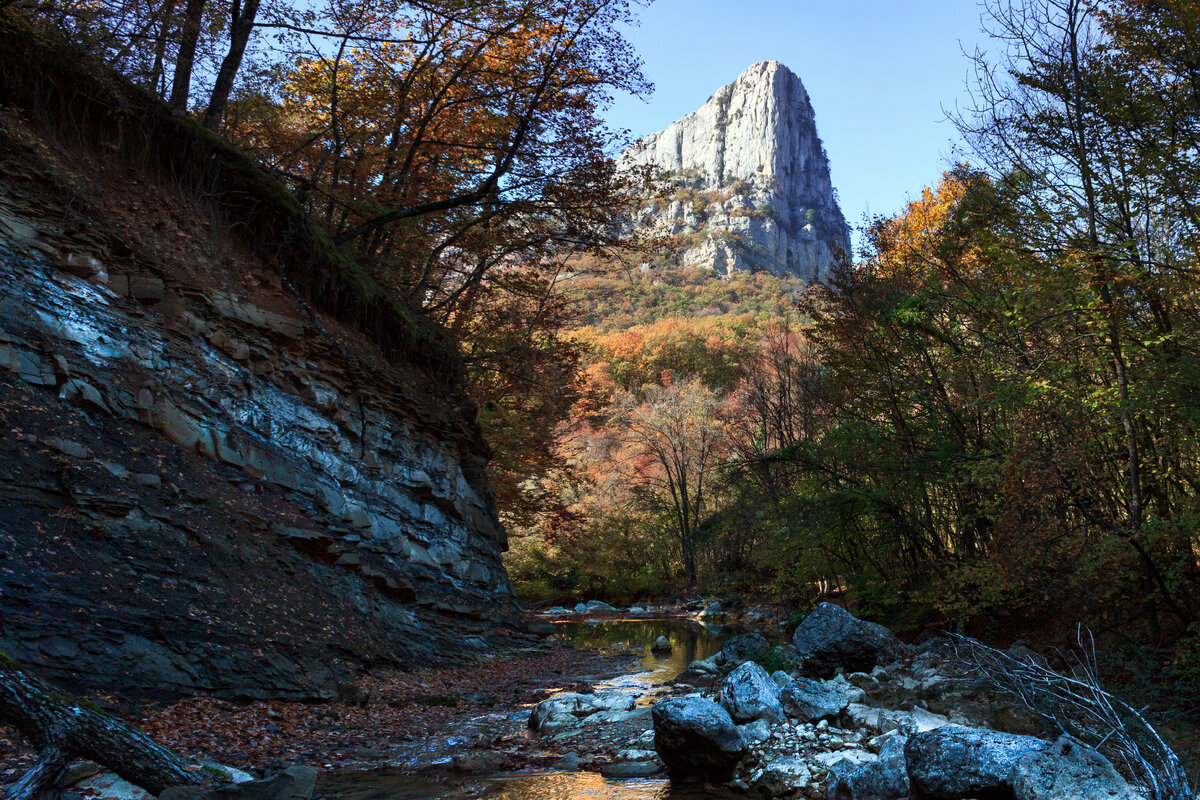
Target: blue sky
(879,73)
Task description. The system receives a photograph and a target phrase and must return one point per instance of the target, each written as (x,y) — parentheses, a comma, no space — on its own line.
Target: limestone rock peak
(749,183)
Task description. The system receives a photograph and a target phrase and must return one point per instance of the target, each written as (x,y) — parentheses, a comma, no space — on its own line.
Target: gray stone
(831,637)
(146,290)
(626,770)
(293,783)
(559,712)
(67,448)
(1068,771)
(883,779)
(696,739)
(883,720)
(809,700)
(748,693)
(580,608)
(755,732)
(661,645)
(82,265)
(783,777)
(745,646)
(953,762)
(781,678)
(749,163)
(599,607)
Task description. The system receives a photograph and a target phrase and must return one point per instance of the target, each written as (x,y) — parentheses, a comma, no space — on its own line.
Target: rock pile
(862,717)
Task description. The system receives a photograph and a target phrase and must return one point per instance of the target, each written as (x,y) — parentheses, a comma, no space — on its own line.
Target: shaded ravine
(426,770)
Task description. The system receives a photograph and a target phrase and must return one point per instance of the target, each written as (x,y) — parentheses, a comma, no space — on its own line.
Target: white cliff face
(750,186)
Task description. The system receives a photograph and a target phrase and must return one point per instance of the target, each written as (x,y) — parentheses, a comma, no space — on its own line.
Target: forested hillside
(989,423)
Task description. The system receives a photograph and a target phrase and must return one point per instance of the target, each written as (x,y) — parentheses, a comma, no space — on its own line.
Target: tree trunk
(61,726)
(181,87)
(240,28)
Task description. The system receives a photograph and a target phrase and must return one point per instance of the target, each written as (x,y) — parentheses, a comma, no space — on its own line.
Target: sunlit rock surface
(748,181)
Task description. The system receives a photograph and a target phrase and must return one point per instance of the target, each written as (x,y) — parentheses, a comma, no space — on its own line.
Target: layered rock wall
(204,487)
(749,183)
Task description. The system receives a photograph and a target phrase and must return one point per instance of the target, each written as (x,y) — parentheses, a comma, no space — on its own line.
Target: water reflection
(387,785)
(689,641)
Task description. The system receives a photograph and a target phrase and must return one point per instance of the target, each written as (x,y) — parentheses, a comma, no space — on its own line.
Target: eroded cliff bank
(206,483)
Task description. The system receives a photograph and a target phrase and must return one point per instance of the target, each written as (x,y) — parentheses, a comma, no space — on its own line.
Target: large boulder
(748,693)
(599,607)
(810,700)
(1069,771)
(696,739)
(953,762)
(883,779)
(832,637)
(744,647)
(567,709)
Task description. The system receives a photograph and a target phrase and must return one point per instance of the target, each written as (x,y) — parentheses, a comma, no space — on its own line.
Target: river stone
(1069,771)
(831,637)
(696,739)
(580,608)
(293,783)
(954,762)
(748,693)
(661,645)
(783,776)
(755,732)
(598,606)
(559,712)
(883,779)
(630,769)
(745,646)
(810,700)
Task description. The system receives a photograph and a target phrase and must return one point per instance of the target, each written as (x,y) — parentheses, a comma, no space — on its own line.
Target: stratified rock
(809,700)
(745,646)
(883,779)
(783,777)
(748,693)
(750,185)
(696,739)
(954,762)
(1069,771)
(832,637)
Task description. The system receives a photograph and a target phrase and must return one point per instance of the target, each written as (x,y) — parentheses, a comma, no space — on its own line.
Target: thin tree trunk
(61,726)
(240,28)
(181,87)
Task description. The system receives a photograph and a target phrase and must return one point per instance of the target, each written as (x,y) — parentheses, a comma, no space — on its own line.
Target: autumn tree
(672,437)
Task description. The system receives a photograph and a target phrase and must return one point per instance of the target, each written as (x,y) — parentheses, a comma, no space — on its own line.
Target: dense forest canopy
(989,421)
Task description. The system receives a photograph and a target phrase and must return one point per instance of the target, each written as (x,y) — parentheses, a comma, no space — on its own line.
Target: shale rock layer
(204,486)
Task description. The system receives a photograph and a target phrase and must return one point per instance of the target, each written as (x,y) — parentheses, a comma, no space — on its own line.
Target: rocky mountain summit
(747,181)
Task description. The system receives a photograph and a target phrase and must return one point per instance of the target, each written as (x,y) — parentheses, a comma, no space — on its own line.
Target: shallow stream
(689,641)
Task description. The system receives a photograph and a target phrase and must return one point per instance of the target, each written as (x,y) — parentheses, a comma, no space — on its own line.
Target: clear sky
(878,72)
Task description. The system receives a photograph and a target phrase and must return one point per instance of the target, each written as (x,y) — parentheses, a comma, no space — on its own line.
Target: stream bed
(415,775)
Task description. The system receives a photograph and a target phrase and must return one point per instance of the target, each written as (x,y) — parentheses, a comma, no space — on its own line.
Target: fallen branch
(61,726)
(1077,705)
